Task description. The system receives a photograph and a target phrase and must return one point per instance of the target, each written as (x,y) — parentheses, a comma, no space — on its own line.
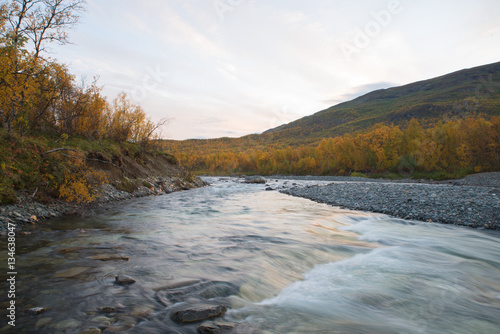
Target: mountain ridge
(468,90)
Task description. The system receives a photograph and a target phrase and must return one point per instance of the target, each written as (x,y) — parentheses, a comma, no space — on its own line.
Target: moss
(147,184)
(170,158)
(127,185)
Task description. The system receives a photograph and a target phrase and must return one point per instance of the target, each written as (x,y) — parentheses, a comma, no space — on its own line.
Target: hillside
(447,125)
(458,94)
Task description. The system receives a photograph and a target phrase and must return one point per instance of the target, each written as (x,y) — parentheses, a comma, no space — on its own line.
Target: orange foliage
(78,185)
(472,144)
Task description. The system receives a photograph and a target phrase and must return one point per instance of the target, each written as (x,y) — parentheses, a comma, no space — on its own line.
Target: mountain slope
(461,93)
(456,95)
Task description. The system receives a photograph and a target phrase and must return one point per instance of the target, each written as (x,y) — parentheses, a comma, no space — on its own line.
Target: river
(280,264)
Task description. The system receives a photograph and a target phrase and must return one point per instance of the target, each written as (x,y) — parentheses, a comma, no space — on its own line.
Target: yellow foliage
(80,185)
(469,144)
(76,189)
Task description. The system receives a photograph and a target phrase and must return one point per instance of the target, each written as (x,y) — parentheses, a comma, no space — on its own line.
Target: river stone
(141,311)
(217,327)
(103,320)
(198,313)
(124,280)
(67,324)
(255,179)
(200,290)
(106,309)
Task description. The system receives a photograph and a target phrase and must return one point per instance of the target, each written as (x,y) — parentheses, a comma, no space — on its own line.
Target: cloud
(268,62)
(355,92)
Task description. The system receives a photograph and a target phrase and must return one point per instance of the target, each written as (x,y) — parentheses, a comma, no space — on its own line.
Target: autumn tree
(27,27)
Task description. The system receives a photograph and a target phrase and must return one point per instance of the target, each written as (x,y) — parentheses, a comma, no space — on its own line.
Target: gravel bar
(474,206)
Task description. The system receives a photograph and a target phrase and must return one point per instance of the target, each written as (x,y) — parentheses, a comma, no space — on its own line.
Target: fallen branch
(59,149)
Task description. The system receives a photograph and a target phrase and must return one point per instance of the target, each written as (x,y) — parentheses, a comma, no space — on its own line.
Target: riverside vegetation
(447,150)
(63,140)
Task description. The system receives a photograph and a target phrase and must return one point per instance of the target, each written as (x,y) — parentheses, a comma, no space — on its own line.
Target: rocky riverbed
(473,201)
(29,212)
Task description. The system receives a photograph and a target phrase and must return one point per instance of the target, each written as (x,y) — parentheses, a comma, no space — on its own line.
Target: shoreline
(489,179)
(30,212)
(476,206)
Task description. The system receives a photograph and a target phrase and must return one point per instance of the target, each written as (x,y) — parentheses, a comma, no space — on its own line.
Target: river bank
(473,201)
(27,211)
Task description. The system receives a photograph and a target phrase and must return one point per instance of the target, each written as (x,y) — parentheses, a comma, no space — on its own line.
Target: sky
(227,68)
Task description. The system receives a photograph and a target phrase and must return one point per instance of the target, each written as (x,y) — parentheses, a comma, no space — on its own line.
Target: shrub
(7,192)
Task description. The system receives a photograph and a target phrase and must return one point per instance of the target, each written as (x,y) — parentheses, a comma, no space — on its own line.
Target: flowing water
(280,264)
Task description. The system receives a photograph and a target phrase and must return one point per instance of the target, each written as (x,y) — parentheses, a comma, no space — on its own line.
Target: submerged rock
(71,272)
(67,324)
(106,309)
(195,290)
(124,280)
(217,327)
(43,322)
(198,313)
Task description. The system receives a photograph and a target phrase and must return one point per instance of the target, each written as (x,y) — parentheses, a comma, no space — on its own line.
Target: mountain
(456,95)
(459,94)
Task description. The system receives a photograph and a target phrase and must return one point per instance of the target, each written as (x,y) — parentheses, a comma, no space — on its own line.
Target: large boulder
(198,313)
(255,179)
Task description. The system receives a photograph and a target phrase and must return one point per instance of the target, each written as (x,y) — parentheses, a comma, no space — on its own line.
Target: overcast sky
(234,67)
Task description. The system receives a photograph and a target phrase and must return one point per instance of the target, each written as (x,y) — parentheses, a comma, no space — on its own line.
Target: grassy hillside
(457,95)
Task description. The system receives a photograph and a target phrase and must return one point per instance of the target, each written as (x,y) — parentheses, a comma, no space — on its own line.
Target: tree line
(468,145)
(38,94)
